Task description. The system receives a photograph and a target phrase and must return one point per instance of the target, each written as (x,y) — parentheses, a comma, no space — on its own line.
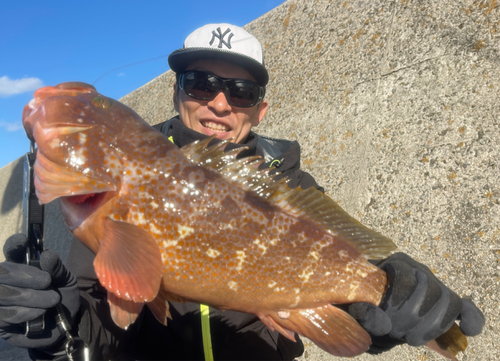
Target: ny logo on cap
(221,36)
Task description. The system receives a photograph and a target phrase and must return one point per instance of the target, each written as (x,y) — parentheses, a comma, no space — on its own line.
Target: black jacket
(280,153)
(235,335)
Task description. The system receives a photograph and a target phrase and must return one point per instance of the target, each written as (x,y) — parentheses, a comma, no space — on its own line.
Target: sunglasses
(205,86)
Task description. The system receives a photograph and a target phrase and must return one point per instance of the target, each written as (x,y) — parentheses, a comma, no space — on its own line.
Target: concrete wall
(396,106)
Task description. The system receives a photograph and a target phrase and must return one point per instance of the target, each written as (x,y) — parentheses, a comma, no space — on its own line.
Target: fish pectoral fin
(329,327)
(128,262)
(123,312)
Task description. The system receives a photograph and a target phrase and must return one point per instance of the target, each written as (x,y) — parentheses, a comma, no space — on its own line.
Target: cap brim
(180,59)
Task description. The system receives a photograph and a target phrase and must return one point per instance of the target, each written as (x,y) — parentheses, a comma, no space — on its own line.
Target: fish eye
(101,103)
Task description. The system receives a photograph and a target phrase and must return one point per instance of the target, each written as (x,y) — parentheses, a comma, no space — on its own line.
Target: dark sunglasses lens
(243,93)
(204,86)
(200,85)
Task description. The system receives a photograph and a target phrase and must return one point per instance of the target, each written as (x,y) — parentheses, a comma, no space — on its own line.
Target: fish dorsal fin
(245,171)
(322,209)
(309,203)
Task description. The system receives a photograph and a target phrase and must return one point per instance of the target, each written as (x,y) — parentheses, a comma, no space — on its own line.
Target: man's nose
(219,104)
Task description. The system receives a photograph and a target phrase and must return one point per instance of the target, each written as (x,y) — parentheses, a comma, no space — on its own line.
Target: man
(220,90)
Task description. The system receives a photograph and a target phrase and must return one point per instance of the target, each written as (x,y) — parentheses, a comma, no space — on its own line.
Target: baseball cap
(222,41)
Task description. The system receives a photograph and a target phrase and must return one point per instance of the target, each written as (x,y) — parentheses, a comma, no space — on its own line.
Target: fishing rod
(124,66)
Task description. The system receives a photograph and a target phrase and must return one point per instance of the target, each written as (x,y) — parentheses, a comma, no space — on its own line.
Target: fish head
(79,155)
(47,98)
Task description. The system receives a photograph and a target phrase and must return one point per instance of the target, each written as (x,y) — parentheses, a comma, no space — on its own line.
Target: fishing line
(124,66)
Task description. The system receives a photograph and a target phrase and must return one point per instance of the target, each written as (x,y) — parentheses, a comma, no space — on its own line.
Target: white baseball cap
(222,41)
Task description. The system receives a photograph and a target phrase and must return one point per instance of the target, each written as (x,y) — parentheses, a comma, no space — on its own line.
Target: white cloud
(121,74)
(11,127)
(10,87)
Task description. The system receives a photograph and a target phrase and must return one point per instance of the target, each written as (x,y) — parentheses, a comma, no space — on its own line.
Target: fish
(200,224)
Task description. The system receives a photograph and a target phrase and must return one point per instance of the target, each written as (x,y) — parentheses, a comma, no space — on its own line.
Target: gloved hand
(27,292)
(416,308)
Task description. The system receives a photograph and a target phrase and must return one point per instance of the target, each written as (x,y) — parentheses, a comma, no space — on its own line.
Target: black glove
(27,292)
(416,308)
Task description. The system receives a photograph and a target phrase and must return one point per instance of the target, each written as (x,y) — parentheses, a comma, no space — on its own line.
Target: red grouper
(197,224)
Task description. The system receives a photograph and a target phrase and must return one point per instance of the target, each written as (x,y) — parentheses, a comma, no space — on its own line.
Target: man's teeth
(216,127)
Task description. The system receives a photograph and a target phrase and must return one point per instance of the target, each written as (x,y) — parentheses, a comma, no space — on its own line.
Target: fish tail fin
(329,327)
(450,343)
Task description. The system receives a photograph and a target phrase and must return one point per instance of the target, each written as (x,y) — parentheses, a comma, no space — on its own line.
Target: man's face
(217,116)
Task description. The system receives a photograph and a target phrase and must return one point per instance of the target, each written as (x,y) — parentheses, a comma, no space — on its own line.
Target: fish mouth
(87,200)
(78,208)
(63,89)
(215,127)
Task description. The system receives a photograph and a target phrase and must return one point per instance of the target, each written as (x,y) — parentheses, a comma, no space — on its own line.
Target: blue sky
(50,42)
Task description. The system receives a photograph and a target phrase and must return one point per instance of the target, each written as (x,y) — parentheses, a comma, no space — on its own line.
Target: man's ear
(261,111)
(176,97)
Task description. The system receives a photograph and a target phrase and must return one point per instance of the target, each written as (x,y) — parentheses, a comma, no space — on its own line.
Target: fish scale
(198,224)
